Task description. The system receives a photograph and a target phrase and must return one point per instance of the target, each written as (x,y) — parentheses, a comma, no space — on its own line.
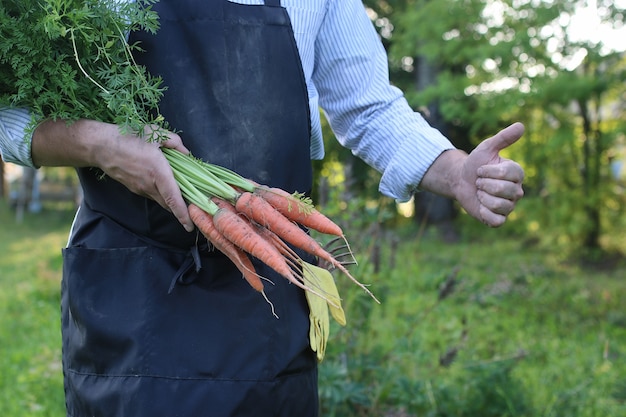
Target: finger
(171,199)
(505,138)
(509,190)
(490,218)
(506,170)
(175,142)
(496,205)
(180,211)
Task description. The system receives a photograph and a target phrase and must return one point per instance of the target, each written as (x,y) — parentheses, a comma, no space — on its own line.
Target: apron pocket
(119,318)
(105,296)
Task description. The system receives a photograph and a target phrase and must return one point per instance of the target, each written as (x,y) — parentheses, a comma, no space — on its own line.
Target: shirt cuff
(15,141)
(409,163)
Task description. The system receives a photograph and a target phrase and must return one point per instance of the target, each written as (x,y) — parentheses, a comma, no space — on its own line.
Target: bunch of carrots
(242,218)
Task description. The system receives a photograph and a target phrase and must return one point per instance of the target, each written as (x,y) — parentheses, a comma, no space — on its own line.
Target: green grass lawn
(30,342)
(485,327)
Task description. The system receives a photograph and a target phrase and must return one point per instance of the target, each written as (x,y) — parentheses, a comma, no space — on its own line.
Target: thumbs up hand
(489,185)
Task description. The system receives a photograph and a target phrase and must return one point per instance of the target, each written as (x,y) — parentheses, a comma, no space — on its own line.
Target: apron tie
(183,275)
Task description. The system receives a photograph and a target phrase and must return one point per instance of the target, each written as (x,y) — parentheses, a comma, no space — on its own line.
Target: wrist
(444,177)
(96,142)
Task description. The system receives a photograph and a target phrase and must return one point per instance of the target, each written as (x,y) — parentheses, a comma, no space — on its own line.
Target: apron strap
(273,3)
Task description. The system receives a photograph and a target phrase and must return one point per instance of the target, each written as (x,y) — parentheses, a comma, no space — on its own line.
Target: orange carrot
(240,233)
(243,234)
(204,222)
(290,258)
(259,210)
(223,204)
(289,254)
(298,211)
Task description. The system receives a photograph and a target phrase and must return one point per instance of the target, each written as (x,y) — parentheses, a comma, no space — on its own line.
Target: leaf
(323,280)
(319,331)
(319,323)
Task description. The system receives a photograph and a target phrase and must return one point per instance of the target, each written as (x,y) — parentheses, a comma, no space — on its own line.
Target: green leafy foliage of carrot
(69,59)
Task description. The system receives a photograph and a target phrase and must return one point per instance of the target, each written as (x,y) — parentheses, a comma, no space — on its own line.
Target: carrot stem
(193,195)
(197,173)
(231,177)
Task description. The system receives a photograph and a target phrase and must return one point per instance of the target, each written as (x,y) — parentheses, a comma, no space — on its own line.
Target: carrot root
(253,242)
(257,226)
(270,303)
(297,210)
(263,213)
(293,259)
(205,224)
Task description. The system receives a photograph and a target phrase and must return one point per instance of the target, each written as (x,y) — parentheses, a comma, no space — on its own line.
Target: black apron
(155,324)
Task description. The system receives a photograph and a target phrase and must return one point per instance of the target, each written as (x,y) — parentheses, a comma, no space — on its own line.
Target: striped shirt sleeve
(368,114)
(14,141)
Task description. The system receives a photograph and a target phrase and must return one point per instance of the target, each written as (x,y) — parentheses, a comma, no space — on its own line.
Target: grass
(489,326)
(30,341)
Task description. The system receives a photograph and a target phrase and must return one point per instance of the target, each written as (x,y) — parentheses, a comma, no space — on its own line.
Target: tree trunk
(430,208)
(592,150)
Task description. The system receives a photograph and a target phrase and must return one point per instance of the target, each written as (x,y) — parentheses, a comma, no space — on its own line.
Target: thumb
(505,138)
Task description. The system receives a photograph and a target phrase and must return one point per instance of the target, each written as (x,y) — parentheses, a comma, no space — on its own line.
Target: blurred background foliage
(472,67)
(524,320)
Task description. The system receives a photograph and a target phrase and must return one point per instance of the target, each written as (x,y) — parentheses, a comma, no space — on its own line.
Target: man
(244,81)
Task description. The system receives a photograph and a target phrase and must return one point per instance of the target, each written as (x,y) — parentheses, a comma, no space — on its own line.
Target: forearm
(78,144)
(137,164)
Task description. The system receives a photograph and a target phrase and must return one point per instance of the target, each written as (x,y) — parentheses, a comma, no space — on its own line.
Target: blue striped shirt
(346,71)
